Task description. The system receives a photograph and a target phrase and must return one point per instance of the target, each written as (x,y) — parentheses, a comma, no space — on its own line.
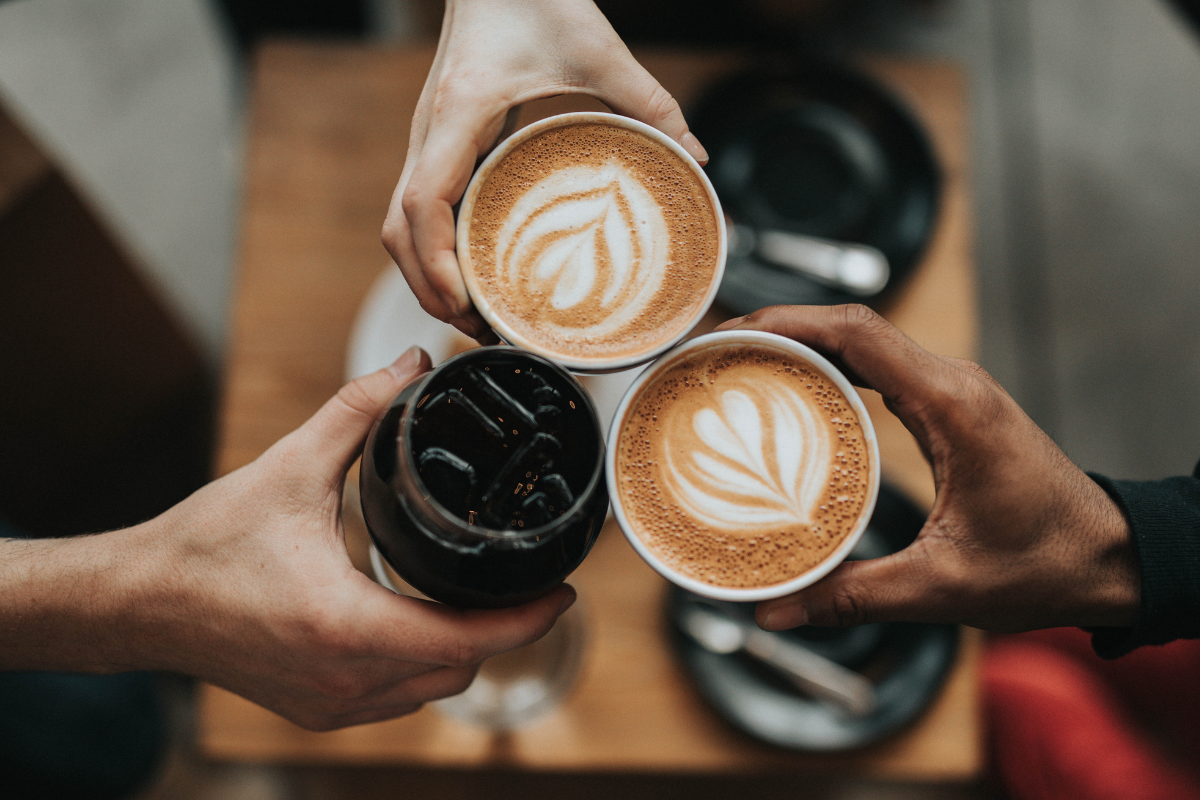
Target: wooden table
(329,128)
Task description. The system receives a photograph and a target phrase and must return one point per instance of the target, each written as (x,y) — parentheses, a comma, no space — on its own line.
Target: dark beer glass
(483,484)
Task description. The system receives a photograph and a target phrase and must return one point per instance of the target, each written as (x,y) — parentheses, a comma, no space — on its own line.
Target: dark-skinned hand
(1018,538)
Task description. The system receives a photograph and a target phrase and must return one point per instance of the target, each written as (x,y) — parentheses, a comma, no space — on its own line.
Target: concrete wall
(1086,184)
(137,100)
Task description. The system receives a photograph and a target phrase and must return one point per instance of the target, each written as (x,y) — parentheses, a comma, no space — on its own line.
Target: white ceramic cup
(485,308)
(774,342)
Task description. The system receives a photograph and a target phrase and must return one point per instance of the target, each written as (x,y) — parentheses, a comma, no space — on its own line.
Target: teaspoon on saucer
(814,674)
(856,269)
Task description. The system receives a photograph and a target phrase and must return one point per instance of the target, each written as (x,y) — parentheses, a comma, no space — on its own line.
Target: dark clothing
(1165,519)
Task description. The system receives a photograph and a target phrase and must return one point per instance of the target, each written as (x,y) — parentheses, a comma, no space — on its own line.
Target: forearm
(76,604)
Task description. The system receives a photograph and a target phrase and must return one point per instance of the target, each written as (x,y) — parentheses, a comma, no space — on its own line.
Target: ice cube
(536,511)
(454,409)
(558,495)
(498,402)
(518,478)
(549,418)
(449,478)
(543,392)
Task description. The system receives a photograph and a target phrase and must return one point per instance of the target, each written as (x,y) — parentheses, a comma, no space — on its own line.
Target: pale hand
(494,55)
(247,585)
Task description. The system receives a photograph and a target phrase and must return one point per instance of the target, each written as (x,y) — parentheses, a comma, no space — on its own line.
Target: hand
(247,585)
(494,55)
(1018,538)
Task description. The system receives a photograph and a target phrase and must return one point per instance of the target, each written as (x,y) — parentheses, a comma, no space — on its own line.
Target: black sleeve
(1165,519)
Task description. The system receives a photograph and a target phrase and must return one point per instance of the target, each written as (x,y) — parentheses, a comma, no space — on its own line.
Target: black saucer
(815,148)
(907,662)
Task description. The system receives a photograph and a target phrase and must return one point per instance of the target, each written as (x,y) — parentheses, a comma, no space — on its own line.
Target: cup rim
(463,249)
(757,593)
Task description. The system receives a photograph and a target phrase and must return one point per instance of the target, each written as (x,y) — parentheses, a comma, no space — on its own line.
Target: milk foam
(586,236)
(593,241)
(742,466)
(730,481)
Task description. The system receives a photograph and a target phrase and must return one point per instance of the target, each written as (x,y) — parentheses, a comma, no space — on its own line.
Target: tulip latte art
(593,241)
(742,466)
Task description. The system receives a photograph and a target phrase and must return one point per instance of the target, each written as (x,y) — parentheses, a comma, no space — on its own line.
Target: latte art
(762,459)
(742,466)
(592,242)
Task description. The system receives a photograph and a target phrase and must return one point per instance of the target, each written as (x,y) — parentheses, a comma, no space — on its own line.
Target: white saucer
(391,320)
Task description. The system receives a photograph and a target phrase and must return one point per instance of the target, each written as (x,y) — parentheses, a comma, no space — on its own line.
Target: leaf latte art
(761,459)
(742,466)
(591,242)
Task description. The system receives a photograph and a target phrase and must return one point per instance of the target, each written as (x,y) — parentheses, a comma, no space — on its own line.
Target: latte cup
(591,239)
(734,469)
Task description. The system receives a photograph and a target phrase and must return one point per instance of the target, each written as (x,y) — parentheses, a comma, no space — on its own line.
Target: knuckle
(660,106)
(966,406)
(413,199)
(433,307)
(393,237)
(768,318)
(983,379)
(856,316)
(458,651)
(456,90)
(441,283)
(970,367)
(355,397)
(846,608)
(949,403)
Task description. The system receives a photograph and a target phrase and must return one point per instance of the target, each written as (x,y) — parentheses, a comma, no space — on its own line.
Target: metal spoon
(812,673)
(853,268)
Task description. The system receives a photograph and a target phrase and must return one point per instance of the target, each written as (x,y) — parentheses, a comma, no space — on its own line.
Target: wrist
(1115,596)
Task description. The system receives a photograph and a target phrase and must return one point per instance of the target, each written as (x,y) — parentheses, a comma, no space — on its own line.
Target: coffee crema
(742,466)
(594,242)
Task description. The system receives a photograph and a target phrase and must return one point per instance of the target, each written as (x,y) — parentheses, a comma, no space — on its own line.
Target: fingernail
(694,148)
(732,323)
(408,362)
(570,601)
(782,619)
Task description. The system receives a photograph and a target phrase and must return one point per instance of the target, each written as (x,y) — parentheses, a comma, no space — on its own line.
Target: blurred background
(1085,183)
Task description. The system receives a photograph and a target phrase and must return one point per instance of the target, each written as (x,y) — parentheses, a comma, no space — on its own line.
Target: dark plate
(818,149)
(907,662)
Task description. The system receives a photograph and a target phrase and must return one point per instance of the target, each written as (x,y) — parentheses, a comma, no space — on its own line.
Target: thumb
(332,438)
(895,587)
(632,91)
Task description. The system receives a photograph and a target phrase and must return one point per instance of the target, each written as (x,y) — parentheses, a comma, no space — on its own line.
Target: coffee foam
(594,241)
(742,466)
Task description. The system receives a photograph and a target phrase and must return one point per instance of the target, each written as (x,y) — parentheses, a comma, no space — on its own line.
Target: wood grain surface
(328,135)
